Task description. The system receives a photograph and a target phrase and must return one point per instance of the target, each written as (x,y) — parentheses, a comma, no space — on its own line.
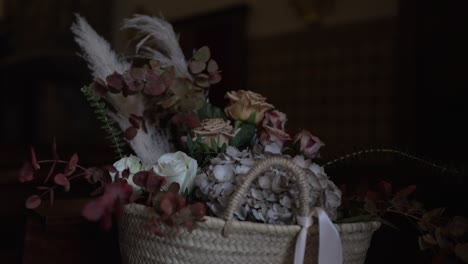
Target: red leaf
(154,84)
(34,160)
(140,178)
(197,67)
(174,187)
(26,173)
(131,132)
(61,180)
(134,121)
(154,183)
(94,210)
(71,167)
(125,173)
(215,77)
(212,66)
(98,87)
(115,82)
(33,202)
(110,168)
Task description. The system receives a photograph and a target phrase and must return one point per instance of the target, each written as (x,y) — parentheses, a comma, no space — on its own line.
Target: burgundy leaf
(33,202)
(154,183)
(131,132)
(214,77)
(94,210)
(212,66)
(125,173)
(203,54)
(154,84)
(168,76)
(174,187)
(26,173)
(134,120)
(98,87)
(196,67)
(34,160)
(140,178)
(110,168)
(71,167)
(115,82)
(61,180)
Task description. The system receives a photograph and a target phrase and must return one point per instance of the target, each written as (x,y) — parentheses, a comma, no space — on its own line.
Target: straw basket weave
(247,242)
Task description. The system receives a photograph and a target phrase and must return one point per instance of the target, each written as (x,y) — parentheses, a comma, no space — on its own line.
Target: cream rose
(243,103)
(134,165)
(177,167)
(216,128)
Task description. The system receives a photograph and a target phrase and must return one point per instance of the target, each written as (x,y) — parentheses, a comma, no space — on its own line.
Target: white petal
(264,182)
(223,173)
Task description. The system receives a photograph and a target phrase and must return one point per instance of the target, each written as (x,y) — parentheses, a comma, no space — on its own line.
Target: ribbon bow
(330,249)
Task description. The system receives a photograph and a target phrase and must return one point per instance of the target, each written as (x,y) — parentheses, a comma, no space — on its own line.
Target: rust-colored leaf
(33,202)
(196,67)
(131,132)
(71,166)
(61,180)
(26,173)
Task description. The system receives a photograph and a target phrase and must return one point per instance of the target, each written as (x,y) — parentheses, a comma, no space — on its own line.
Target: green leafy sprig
(114,134)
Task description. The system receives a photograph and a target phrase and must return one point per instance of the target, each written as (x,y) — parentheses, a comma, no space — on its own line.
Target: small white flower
(223,173)
(134,165)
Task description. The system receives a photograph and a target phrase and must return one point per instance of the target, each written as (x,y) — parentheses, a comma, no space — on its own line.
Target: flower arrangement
(187,156)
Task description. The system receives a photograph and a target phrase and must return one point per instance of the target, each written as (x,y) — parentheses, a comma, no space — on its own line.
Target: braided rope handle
(260,167)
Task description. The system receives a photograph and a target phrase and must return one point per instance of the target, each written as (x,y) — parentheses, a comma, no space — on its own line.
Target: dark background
(396,82)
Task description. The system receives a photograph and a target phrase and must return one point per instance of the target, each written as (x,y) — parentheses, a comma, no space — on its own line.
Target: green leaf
(251,118)
(209,111)
(203,54)
(244,136)
(214,145)
(190,143)
(223,148)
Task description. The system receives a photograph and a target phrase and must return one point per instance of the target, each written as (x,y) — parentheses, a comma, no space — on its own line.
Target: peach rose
(242,104)
(216,128)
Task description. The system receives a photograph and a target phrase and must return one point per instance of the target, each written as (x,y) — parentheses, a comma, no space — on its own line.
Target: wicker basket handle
(259,168)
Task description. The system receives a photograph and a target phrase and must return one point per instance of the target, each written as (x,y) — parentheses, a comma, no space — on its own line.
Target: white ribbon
(330,249)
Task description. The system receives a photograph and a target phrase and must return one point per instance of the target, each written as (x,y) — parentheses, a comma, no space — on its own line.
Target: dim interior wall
(338,83)
(267,17)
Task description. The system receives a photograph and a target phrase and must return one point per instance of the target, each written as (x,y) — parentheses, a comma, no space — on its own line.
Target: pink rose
(308,144)
(269,135)
(275,119)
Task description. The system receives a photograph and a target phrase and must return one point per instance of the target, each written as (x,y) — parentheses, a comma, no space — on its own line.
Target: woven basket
(247,242)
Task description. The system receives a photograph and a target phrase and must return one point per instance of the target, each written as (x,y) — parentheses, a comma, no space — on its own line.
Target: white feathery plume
(102,60)
(148,146)
(161,32)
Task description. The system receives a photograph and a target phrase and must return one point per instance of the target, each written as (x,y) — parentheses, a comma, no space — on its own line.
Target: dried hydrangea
(273,196)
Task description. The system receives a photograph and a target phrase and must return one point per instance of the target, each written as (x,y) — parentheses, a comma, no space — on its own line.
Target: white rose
(177,167)
(134,165)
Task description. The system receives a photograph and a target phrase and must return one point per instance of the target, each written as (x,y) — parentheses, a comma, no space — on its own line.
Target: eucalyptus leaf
(203,54)
(209,111)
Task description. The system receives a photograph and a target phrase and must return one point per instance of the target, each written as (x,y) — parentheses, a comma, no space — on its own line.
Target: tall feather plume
(161,33)
(102,60)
